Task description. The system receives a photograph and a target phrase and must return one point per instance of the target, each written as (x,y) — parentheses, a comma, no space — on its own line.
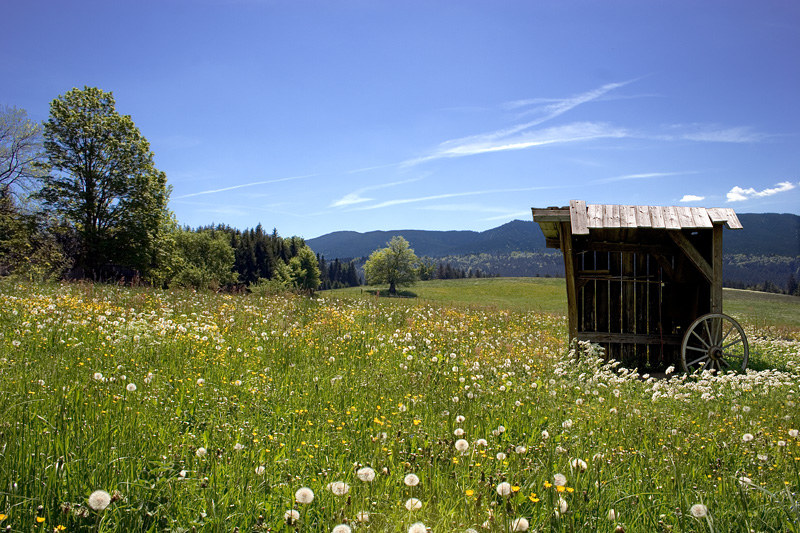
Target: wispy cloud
(738,194)
(712,133)
(355,197)
(644,176)
(243,185)
(575,132)
(401,201)
(692,198)
(521,136)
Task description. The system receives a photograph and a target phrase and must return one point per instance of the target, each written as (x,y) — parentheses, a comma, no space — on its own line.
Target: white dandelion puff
(559,480)
(366,474)
(504,488)
(417,527)
(304,495)
(411,480)
(291,517)
(131,387)
(412,504)
(462,445)
(611,515)
(519,524)
(362,516)
(747,437)
(339,488)
(99,500)
(699,510)
(201,452)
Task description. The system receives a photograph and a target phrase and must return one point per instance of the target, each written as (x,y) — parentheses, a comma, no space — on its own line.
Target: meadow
(132,409)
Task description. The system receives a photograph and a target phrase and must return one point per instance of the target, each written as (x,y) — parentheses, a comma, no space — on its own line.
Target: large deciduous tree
(396,265)
(22,155)
(104,182)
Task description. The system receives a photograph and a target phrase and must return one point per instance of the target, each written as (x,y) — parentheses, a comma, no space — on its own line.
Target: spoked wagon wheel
(714,341)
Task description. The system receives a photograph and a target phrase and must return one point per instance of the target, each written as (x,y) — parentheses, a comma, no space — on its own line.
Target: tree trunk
(392,288)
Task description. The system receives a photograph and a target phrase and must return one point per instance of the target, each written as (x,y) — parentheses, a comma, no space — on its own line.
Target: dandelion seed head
(411,480)
(793,433)
(304,495)
(366,474)
(291,517)
(417,527)
(559,480)
(131,387)
(504,488)
(699,510)
(201,452)
(339,488)
(747,437)
(462,445)
(412,504)
(501,456)
(99,500)
(519,524)
(362,516)
(611,515)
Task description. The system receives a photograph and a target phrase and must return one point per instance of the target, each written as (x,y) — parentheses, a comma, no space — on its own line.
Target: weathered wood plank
(656,216)
(628,338)
(578,217)
(733,220)
(716,267)
(643,216)
(717,215)
(692,254)
(550,215)
(628,216)
(569,268)
(685,217)
(700,217)
(615,217)
(595,214)
(671,217)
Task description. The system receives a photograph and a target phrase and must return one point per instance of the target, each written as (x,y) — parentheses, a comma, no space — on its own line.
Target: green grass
(548,295)
(207,412)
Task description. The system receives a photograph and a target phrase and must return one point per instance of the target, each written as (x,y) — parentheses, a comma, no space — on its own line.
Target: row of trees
(80,196)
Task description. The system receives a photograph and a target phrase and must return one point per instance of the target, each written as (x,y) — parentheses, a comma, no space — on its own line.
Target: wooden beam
(595,214)
(628,338)
(569,270)
(692,254)
(716,267)
(578,217)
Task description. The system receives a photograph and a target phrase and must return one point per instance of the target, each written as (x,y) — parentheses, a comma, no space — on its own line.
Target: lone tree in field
(396,265)
(104,182)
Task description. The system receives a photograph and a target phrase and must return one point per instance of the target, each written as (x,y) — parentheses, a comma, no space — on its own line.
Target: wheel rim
(714,342)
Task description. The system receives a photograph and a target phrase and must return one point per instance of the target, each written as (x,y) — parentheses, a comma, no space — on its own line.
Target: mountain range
(764,234)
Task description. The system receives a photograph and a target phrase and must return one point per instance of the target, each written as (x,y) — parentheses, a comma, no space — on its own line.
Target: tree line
(81,198)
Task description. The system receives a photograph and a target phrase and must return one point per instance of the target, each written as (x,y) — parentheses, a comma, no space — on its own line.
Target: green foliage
(304,270)
(103,182)
(426,270)
(396,265)
(204,260)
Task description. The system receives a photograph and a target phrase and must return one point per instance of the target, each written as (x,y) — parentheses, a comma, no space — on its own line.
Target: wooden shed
(645,282)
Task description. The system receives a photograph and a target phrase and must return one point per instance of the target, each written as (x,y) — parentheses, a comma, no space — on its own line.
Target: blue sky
(316,116)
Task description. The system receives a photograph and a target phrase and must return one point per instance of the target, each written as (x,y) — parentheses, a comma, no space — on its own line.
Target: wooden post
(565,233)
(716,267)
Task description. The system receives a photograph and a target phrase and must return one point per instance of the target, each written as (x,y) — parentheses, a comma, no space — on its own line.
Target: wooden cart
(645,282)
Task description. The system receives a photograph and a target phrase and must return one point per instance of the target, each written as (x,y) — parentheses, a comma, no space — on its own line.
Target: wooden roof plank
(615,217)
(671,217)
(628,216)
(578,217)
(656,216)
(685,218)
(701,219)
(595,214)
(643,216)
(733,220)
(717,215)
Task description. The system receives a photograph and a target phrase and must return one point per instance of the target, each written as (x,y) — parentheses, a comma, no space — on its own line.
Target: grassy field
(462,410)
(548,295)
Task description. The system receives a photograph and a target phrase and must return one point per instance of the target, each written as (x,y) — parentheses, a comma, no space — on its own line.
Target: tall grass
(209,412)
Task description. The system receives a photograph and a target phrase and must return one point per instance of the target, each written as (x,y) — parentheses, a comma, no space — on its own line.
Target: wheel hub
(715,353)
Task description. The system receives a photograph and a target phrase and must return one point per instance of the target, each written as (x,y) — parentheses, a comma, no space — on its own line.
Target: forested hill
(764,234)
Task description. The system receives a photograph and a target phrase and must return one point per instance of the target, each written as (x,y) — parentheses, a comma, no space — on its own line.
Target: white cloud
(356,198)
(691,198)
(243,185)
(738,194)
(644,175)
(402,201)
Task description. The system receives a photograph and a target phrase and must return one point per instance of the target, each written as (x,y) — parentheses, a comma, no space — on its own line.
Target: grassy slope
(549,295)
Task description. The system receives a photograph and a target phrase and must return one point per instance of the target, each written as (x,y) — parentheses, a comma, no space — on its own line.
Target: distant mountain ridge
(763,234)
